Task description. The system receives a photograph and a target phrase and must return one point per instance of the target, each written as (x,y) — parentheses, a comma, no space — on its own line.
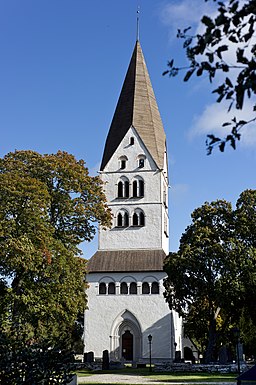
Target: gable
(131,153)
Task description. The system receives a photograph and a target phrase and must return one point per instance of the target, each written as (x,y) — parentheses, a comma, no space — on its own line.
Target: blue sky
(62,66)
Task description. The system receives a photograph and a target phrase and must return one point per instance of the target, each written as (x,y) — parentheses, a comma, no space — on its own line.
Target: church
(127,313)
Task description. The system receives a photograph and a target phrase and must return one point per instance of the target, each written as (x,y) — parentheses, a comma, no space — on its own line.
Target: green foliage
(234,25)
(213,274)
(245,219)
(248,333)
(34,364)
(48,205)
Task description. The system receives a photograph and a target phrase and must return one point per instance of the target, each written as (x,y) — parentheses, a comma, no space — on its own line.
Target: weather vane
(138,25)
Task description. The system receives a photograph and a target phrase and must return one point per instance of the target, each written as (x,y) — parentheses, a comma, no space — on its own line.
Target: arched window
(123,218)
(142,219)
(141,188)
(133,288)
(135,219)
(119,220)
(126,220)
(141,161)
(138,187)
(134,189)
(145,288)
(102,288)
(126,189)
(155,288)
(123,188)
(111,288)
(138,218)
(122,162)
(124,288)
(120,189)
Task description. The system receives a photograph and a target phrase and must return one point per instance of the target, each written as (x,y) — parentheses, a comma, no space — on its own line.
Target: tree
(208,280)
(245,220)
(233,27)
(48,205)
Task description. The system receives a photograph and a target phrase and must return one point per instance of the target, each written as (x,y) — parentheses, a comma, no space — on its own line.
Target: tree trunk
(209,353)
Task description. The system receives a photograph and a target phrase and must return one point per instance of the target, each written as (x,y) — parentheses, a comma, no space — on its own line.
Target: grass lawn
(193,377)
(177,378)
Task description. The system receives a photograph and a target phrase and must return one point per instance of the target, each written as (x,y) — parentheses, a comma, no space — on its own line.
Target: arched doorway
(126,338)
(127,345)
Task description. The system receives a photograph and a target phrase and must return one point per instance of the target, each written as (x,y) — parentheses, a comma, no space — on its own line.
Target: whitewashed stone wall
(153,234)
(108,315)
(149,313)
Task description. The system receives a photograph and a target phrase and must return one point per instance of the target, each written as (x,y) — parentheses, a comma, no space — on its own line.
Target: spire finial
(138,23)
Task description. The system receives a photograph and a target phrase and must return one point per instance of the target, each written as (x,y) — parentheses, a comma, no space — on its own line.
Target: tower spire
(137,107)
(138,23)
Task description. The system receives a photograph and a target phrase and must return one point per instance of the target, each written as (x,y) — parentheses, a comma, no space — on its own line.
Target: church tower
(125,276)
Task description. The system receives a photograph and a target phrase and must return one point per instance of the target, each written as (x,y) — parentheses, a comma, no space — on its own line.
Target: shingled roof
(137,107)
(126,260)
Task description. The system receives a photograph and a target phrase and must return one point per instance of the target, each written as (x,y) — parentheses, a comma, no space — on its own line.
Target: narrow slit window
(126,189)
(120,189)
(142,219)
(135,219)
(134,189)
(119,220)
(141,163)
(141,188)
(126,220)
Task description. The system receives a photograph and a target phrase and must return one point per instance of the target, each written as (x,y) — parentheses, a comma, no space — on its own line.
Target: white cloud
(184,13)
(181,14)
(248,138)
(214,115)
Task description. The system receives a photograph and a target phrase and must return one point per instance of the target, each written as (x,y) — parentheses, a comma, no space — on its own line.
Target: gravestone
(240,351)
(89,357)
(105,360)
(177,356)
(223,355)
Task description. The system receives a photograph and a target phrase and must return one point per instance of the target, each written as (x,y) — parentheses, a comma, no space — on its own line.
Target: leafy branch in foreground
(233,27)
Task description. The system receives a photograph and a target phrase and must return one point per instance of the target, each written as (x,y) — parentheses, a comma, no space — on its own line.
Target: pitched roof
(137,107)
(126,260)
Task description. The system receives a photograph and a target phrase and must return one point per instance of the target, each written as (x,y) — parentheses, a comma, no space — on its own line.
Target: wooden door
(127,346)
